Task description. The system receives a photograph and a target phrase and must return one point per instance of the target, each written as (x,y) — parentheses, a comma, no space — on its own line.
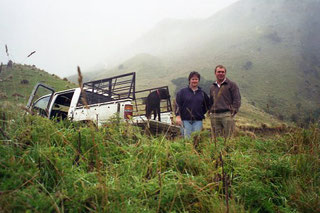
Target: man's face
(194,81)
(220,74)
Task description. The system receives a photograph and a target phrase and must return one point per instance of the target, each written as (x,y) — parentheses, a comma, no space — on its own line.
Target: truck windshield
(41,105)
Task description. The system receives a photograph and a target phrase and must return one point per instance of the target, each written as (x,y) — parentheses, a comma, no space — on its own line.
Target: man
(191,105)
(226,100)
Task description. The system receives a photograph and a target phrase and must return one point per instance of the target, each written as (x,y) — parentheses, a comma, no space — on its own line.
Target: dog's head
(164,94)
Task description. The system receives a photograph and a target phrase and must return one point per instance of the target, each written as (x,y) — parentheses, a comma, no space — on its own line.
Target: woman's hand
(178,120)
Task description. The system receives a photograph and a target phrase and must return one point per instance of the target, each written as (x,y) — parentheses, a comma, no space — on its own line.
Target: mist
(66,34)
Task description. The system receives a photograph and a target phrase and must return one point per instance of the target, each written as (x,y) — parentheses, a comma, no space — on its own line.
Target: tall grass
(47,165)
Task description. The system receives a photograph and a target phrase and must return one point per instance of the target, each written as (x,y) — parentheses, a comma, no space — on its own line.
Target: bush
(247,65)
(56,166)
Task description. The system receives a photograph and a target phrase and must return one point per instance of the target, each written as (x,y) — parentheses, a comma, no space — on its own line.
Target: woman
(192,104)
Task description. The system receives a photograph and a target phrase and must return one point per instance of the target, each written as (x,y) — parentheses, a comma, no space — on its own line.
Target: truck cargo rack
(141,96)
(115,88)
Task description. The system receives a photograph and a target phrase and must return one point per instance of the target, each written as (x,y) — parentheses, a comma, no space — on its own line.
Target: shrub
(67,166)
(247,65)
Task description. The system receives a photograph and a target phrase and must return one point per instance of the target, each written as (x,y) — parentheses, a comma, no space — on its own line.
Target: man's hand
(233,112)
(178,120)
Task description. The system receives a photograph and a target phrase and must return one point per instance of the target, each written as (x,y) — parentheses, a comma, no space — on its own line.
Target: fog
(66,34)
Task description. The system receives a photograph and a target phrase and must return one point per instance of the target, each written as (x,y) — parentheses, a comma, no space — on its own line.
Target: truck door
(60,104)
(40,98)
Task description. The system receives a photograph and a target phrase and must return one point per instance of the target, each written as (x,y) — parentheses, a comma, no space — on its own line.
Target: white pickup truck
(98,101)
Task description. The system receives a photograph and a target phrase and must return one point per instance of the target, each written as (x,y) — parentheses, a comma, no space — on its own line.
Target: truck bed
(155,127)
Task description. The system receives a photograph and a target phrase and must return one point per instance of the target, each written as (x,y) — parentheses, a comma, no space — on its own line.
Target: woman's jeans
(189,127)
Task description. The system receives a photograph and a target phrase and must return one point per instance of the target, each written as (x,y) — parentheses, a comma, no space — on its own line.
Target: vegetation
(63,166)
(47,165)
(14,91)
(16,83)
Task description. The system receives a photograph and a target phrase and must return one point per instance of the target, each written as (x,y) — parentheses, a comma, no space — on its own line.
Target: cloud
(79,32)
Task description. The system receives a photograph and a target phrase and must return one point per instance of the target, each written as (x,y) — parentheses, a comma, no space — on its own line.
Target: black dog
(153,102)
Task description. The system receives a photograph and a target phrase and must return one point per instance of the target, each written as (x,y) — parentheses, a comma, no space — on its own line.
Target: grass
(62,166)
(12,90)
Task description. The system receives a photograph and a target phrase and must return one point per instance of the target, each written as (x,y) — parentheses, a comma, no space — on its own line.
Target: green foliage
(12,89)
(63,166)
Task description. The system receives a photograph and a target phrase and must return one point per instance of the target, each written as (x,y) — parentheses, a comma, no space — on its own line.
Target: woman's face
(194,81)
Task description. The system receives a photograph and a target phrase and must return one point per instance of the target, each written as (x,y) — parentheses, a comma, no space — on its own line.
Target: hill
(161,75)
(16,83)
(269,47)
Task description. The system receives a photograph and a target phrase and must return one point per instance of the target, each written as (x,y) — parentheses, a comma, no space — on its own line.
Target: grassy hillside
(269,47)
(17,82)
(61,166)
(153,72)
(15,91)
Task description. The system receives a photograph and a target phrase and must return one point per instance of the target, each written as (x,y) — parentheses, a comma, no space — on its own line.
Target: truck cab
(94,101)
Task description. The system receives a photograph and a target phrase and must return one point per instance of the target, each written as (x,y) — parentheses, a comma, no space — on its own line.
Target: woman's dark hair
(194,73)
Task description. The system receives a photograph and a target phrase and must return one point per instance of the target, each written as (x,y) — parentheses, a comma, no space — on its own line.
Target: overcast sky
(68,33)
